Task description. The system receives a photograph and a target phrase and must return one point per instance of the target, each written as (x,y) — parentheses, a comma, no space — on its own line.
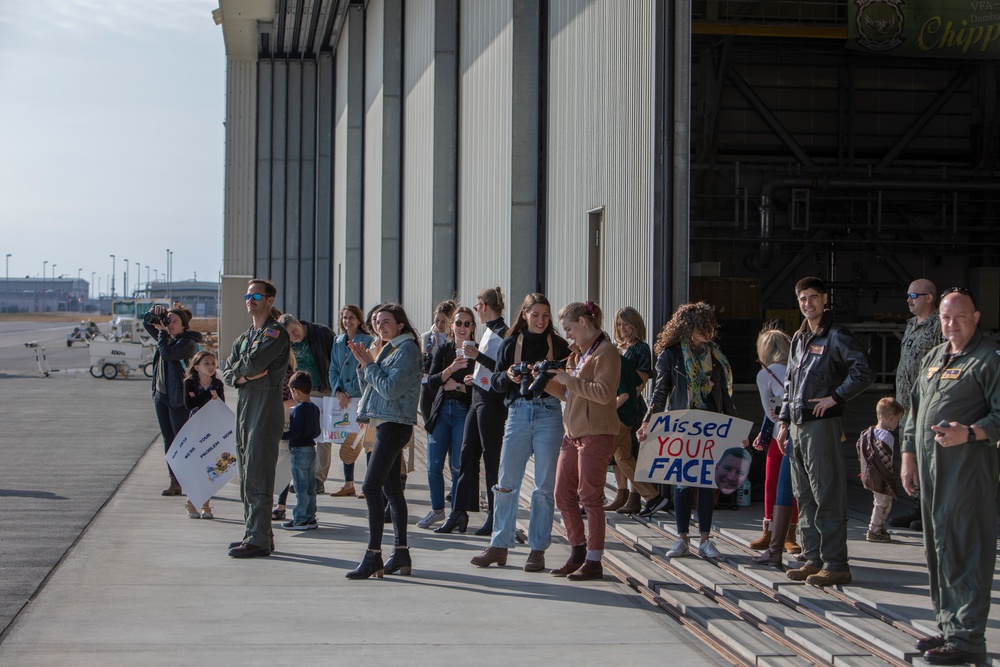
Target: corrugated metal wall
(484,195)
(323,273)
(374,23)
(418,159)
(600,149)
(340,126)
(241,144)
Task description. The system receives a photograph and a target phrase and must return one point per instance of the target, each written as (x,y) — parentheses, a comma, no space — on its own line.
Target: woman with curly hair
(691,373)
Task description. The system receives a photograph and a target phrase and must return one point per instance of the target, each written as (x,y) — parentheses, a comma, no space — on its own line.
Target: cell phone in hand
(944,423)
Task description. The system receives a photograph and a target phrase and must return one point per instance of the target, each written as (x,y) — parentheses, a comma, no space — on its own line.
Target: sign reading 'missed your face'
(695,448)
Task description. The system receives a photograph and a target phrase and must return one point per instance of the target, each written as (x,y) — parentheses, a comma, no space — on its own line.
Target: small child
(201,386)
(875,453)
(303,429)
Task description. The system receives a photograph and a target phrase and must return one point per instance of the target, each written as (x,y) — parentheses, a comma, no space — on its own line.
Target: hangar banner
(925,28)
(694,448)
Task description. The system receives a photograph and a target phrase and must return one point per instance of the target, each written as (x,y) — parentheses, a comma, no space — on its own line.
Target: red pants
(580,476)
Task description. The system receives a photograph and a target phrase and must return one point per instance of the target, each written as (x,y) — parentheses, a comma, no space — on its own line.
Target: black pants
(382,482)
(170,419)
(482,438)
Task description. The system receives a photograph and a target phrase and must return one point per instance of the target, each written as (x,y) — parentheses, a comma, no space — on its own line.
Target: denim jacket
(392,382)
(343,365)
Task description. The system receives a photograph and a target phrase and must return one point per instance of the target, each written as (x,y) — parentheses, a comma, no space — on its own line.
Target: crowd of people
(576,404)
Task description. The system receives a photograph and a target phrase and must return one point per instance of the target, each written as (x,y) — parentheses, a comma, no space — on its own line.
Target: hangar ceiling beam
(769,117)
(943,97)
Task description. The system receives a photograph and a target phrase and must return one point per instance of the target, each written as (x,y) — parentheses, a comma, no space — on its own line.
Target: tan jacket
(591,396)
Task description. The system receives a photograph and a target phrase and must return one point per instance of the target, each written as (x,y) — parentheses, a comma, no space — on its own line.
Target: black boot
(457,520)
(370,565)
(399,561)
(486,528)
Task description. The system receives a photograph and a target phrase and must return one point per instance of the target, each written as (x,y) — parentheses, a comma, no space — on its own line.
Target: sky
(111,138)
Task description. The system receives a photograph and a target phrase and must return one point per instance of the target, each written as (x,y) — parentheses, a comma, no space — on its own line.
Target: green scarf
(699,380)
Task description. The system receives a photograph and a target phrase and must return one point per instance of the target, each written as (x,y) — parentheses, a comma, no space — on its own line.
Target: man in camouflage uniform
(950,453)
(923,331)
(256,367)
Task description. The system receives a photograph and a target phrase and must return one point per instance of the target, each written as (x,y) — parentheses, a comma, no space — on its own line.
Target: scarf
(699,378)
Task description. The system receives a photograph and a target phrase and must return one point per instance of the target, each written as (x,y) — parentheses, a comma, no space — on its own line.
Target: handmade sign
(488,345)
(203,454)
(694,448)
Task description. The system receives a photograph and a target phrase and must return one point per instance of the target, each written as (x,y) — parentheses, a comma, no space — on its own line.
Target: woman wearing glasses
(446,419)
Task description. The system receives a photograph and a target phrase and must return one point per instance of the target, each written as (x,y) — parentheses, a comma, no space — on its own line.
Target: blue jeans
(304,481)
(682,508)
(784,495)
(533,427)
(446,437)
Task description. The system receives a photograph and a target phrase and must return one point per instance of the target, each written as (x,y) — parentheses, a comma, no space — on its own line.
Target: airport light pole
(125,282)
(138,277)
(92,283)
(112,277)
(55,295)
(6,288)
(45,270)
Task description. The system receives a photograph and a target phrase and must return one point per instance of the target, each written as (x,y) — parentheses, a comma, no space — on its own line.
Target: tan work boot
(827,577)
(493,555)
(764,540)
(803,573)
(535,562)
(791,546)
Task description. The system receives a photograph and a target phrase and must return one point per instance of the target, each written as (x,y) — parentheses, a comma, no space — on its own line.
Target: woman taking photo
(534,426)
(590,421)
(691,373)
(780,511)
(175,344)
(483,428)
(446,421)
(389,404)
(344,374)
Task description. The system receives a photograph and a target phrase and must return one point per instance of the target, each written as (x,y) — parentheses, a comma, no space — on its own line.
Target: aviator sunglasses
(255,297)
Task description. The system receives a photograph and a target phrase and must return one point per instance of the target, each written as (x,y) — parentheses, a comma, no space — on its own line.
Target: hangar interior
(802,157)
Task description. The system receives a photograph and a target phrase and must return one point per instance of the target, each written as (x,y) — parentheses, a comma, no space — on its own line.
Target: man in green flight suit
(950,454)
(256,367)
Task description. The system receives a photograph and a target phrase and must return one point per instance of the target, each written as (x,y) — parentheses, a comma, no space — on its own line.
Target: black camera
(155,318)
(544,368)
(524,370)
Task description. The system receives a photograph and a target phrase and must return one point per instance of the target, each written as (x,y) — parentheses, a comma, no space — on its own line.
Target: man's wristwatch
(972,434)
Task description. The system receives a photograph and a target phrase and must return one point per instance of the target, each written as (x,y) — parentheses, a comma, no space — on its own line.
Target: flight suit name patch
(951,374)
(816,349)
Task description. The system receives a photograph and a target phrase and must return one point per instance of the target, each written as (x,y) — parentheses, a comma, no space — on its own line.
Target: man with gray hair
(923,331)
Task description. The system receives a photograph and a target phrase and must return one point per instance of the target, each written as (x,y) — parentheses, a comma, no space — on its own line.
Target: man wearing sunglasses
(949,452)
(923,331)
(256,368)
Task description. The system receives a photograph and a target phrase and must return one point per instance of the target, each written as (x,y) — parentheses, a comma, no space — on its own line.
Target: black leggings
(170,420)
(482,437)
(383,482)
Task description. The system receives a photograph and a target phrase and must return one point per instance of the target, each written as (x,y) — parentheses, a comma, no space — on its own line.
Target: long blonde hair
(773,345)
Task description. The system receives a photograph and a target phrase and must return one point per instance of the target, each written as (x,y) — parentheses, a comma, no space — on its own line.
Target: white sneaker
(680,548)
(707,550)
(431,519)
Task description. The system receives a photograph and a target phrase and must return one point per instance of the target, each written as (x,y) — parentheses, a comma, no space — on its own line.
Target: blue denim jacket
(392,382)
(343,365)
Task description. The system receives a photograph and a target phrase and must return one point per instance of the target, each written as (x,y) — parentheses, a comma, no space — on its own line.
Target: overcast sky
(111,137)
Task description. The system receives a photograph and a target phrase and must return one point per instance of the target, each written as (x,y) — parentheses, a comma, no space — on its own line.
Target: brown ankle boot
(791,546)
(490,556)
(591,569)
(764,539)
(633,505)
(576,559)
(618,501)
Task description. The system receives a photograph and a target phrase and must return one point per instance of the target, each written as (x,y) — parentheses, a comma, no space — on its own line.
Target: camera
(543,369)
(524,370)
(155,318)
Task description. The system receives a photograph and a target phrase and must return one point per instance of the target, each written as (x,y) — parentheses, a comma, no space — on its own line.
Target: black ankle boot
(399,561)
(457,520)
(486,528)
(370,565)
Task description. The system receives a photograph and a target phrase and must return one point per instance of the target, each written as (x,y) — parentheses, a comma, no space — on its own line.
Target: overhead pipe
(762,259)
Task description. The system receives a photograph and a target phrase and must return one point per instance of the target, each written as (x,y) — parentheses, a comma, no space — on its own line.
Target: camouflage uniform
(918,338)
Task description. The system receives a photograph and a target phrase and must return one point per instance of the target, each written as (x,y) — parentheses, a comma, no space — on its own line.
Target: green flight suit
(958,484)
(260,419)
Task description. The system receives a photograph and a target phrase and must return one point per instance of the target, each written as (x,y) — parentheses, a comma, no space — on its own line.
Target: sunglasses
(959,290)
(255,297)
(466,325)
(914,295)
